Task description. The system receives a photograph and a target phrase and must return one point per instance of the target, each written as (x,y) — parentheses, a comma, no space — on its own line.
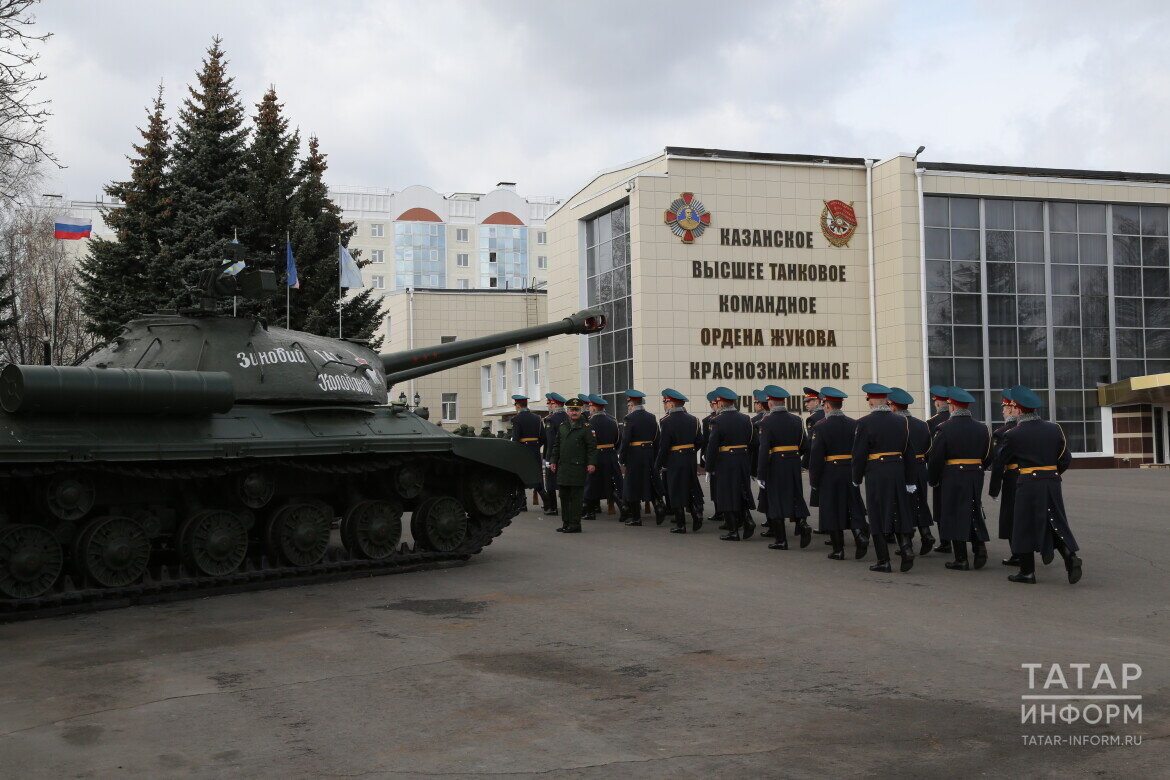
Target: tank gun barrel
(442,365)
(587,321)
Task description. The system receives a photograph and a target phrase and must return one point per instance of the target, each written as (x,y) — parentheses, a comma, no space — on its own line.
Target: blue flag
(351,276)
(290,267)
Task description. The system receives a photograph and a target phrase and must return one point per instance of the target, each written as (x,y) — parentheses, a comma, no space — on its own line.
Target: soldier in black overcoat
(830,475)
(813,406)
(606,482)
(552,423)
(713,405)
(727,456)
(680,436)
(782,443)
(883,459)
(760,407)
(528,431)
(636,452)
(960,453)
(1002,486)
(920,436)
(1039,522)
(942,412)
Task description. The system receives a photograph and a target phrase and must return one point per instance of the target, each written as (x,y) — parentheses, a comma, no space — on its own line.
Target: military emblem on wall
(838,222)
(687,217)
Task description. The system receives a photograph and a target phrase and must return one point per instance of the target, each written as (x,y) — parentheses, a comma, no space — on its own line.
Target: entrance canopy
(1152,389)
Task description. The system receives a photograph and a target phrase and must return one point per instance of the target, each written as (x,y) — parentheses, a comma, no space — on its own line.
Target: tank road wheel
(30,561)
(256,488)
(112,551)
(214,542)
(487,492)
(409,480)
(69,496)
(371,529)
(299,533)
(439,523)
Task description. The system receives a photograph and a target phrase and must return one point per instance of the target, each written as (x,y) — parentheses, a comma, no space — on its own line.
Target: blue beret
(674,395)
(1025,398)
(1007,394)
(598,400)
(560,399)
(939,392)
(873,388)
(760,396)
(726,394)
(832,392)
(635,394)
(711,396)
(901,397)
(583,397)
(772,391)
(520,398)
(959,395)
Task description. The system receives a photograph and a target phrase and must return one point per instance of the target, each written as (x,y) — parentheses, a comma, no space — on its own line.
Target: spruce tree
(119,279)
(272,178)
(208,178)
(317,230)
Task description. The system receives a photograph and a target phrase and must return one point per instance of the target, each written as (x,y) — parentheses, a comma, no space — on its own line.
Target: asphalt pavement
(621,652)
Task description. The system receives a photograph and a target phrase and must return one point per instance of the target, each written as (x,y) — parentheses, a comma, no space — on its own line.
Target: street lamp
(417,400)
(402,398)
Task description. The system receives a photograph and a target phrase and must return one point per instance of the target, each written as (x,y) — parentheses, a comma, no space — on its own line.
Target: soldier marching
(869,477)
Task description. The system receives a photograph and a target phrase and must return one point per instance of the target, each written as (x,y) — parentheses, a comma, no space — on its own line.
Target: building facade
(745,269)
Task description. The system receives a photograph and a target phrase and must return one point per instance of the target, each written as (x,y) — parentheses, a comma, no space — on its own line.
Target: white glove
(546,464)
(995,499)
(761,484)
(911,489)
(856,485)
(707,477)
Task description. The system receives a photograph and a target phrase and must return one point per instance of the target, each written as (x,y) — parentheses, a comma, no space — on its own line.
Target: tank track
(173,582)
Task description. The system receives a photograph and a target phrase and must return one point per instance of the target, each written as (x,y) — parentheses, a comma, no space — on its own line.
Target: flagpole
(287,286)
(340,289)
(235,240)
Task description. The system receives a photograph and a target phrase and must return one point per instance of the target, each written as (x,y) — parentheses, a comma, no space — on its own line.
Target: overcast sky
(462,95)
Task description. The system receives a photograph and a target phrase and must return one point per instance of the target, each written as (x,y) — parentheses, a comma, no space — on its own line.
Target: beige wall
(464,315)
(671,307)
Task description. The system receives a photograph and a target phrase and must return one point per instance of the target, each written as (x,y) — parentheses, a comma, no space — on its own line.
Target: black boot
(979,548)
(1012,561)
(882,566)
(696,521)
(731,523)
(723,526)
(781,537)
(944,547)
(960,562)
(906,545)
(838,540)
(680,522)
(927,540)
(749,525)
(861,544)
(659,512)
(767,533)
(805,531)
(1072,564)
(881,549)
(1027,573)
(633,513)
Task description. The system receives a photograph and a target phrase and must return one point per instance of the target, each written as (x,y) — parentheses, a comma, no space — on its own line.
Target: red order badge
(687,217)
(838,222)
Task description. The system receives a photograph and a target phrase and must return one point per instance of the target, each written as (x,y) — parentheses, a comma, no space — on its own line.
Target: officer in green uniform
(574,455)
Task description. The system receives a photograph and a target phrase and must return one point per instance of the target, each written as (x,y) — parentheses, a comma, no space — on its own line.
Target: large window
(420,254)
(607,273)
(503,256)
(1019,292)
(450,407)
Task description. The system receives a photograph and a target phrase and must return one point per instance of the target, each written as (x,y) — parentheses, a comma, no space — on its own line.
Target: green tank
(201,451)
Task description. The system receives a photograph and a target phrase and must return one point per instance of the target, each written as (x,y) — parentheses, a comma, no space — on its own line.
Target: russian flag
(72,229)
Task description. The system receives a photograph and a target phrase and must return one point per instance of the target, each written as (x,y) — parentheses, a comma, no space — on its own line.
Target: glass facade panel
(611,366)
(420,254)
(1047,272)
